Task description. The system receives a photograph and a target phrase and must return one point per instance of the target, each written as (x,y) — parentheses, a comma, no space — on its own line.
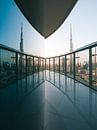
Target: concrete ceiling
(46,16)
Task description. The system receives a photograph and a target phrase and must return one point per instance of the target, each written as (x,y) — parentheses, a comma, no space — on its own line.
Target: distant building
(21,61)
(71,43)
(21,39)
(71,49)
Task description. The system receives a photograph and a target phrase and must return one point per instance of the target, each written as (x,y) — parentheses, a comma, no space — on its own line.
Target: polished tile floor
(54,103)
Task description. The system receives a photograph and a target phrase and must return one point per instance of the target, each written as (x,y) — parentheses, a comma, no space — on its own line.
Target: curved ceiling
(46,16)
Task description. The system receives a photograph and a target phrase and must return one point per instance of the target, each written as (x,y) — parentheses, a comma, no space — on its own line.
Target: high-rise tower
(71,44)
(21,39)
(71,49)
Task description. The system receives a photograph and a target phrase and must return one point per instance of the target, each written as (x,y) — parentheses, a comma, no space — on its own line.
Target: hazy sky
(10,27)
(84,29)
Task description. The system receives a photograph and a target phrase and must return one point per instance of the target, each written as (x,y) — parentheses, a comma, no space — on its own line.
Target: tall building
(21,39)
(71,43)
(71,49)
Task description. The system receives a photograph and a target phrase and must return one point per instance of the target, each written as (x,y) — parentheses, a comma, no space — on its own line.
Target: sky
(10,29)
(83,18)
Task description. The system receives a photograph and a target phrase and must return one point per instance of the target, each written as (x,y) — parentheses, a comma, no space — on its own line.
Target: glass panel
(68,64)
(57,64)
(8,67)
(56,76)
(43,64)
(40,64)
(35,64)
(94,66)
(82,66)
(41,76)
(51,64)
(36,79)
(21,65)
(70,69)
(62,64)
(29,65)
(51,69)
(47,69)
(47,64)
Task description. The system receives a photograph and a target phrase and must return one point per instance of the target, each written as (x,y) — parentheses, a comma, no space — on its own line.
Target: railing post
(90,67)
(59,71)
(45,64)
(49,64)
(74,73)
(38,69)
(54,68)
(38,64)
(33,71)
(16,66)
(49,68)
(59,64)
(26,66)
(45,67)
(65,65)
(41,65)
(0,68)
(33,64)
(54,64)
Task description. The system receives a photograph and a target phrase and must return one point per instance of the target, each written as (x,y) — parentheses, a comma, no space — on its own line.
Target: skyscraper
(21,39)
(71,44)
(71,49)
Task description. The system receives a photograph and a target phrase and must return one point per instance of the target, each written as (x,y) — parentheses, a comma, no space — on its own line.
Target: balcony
(50,93)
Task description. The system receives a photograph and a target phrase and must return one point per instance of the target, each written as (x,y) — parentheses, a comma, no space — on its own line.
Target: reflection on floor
(21,104)
(59,103)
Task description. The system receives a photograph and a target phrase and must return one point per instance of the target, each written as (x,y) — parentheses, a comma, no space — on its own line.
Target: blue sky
(10,27)
(84,29)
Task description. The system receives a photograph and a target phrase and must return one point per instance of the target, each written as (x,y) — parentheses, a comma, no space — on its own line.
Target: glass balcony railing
(15,65)
(81,65)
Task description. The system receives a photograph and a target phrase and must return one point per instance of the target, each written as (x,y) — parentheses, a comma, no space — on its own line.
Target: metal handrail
(15,50)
